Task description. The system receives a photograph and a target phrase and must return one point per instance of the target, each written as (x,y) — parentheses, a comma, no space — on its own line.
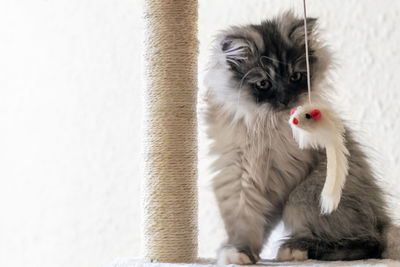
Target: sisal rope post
(170,152)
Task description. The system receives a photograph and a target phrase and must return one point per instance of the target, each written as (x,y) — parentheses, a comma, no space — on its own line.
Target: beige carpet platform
(211,263)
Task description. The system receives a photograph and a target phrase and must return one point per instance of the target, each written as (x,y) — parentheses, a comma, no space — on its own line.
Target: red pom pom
(316,114)
(295,121)
(293,111)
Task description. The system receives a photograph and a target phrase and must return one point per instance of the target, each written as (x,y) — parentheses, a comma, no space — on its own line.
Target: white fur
(232,256)
(327,133)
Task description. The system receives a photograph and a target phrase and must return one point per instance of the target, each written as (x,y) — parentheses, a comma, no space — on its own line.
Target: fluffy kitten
(258,74)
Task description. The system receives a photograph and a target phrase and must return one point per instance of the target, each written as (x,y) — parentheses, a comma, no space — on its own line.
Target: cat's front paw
(231,255)
(288,254)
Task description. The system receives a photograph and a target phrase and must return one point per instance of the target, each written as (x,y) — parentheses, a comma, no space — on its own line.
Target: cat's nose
(285,101)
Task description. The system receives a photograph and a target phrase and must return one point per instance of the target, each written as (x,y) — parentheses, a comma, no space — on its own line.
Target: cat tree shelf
(210,263)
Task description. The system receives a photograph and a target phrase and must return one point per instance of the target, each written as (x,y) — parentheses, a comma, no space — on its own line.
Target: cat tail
(392,246)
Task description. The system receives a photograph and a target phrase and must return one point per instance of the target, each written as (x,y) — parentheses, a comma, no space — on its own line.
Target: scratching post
(170,189)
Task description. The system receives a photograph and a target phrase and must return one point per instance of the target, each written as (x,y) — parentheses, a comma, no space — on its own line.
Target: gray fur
(261,176)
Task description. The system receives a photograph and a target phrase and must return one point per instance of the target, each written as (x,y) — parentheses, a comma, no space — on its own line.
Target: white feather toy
(316,127)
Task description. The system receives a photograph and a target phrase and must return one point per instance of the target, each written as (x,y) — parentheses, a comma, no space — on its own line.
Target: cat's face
(267,63)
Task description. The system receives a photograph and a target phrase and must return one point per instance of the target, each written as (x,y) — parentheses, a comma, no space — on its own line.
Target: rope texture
(170,152)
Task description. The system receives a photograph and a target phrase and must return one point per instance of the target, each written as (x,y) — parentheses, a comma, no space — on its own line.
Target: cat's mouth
(279,102)
(285,106)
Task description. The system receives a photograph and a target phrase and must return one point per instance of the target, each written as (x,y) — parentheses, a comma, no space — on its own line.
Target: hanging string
(306,45)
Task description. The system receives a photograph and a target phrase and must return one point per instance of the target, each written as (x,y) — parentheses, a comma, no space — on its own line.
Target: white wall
(70,109)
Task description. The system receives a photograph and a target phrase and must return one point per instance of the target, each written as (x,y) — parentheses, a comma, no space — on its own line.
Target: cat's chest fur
(258,151)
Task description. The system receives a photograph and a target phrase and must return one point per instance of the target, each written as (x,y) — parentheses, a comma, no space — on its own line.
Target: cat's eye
(296,77)
(263,85)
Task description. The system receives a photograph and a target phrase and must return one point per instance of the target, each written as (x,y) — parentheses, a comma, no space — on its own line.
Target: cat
(257,75)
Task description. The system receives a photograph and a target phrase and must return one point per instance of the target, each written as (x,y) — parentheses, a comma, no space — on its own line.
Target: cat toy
(317,127)
(314,126)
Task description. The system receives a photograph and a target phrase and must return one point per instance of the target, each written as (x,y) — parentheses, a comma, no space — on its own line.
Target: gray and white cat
(257,74)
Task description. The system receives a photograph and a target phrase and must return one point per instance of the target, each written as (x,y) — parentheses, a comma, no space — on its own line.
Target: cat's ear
(241,48)
(296,34)
(237,50)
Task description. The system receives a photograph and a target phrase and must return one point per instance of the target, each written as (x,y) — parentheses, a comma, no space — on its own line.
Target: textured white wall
(70,109)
